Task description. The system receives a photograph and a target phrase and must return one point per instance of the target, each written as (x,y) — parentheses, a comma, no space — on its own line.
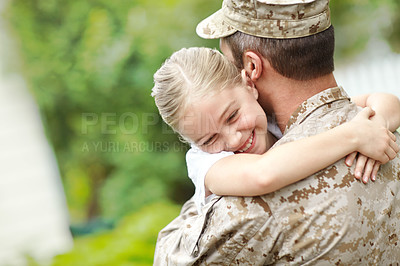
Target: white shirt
(199,162)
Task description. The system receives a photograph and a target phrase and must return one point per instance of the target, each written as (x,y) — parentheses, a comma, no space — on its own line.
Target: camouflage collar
(316,101)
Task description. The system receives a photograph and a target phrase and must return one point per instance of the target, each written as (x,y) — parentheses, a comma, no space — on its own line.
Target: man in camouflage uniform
(328,218)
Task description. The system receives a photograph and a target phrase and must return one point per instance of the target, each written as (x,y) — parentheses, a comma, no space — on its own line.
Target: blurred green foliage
(89,65)
(130,243)
(358,21)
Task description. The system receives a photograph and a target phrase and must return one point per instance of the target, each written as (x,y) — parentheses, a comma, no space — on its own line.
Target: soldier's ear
(253,65)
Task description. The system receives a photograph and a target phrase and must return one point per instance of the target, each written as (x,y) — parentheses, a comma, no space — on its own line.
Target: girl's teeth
(248,144)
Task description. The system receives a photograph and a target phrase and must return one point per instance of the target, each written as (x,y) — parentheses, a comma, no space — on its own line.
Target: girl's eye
(208,142)
(232,116)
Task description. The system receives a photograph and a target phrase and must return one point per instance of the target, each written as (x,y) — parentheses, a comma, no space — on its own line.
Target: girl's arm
(252,174)
(387,107)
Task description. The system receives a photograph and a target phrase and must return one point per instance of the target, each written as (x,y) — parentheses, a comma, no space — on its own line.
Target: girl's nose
(233,140)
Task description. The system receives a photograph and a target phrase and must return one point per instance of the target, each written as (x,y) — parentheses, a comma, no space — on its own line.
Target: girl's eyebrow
(223,114)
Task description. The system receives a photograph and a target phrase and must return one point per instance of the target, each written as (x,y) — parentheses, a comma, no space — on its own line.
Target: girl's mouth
(248,145)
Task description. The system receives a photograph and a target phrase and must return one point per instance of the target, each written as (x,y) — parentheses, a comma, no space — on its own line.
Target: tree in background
(90,65)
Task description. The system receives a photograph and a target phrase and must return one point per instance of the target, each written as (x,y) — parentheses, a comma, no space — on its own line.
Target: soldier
(329,217)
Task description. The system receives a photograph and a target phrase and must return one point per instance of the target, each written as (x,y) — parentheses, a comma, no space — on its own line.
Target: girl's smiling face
(230,120)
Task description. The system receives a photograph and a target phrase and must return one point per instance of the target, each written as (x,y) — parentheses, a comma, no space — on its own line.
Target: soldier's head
(295,36)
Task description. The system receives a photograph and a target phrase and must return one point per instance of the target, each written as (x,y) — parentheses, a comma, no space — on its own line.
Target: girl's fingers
(375,170)
(360,164)
(350,158)
(366,112)
(392,136)
(391,153)
(393,149)
(394,146)
(368,170)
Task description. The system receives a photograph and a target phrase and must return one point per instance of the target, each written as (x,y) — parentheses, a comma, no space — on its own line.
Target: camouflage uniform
(328,218)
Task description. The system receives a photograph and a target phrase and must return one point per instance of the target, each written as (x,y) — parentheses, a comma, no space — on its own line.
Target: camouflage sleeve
(234,226)
(221,236)
(176,241)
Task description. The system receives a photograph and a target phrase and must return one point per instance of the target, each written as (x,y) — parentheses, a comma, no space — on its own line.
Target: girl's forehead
(215,104)
(213,107)
(214,98)
(215,91)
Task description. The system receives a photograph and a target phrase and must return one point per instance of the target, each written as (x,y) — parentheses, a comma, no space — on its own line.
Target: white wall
(33,210)
(375,70)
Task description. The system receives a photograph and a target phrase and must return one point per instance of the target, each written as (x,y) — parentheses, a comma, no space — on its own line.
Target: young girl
(202,96)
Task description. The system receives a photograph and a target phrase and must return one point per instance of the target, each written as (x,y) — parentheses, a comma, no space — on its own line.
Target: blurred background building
(375,70)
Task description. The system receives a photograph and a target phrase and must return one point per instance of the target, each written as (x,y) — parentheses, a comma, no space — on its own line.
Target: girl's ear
(249,84)
(254,91)
(246,79)
(253,66)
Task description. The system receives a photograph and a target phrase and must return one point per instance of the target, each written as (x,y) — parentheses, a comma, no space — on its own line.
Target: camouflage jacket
(325,219)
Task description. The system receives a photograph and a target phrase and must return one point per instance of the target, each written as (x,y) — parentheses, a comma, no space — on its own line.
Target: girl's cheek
(245,122)
(214,148)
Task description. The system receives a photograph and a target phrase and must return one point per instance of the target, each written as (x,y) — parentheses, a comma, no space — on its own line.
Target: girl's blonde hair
(188,75)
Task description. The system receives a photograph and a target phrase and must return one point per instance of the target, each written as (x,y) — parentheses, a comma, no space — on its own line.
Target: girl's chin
(259,147)
(258,151)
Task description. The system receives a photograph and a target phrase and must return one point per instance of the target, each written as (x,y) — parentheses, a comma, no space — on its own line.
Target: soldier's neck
(281,96)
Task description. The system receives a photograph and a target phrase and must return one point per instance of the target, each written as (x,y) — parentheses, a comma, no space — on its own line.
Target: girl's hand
(372,138)
(377,145)
(366,168)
